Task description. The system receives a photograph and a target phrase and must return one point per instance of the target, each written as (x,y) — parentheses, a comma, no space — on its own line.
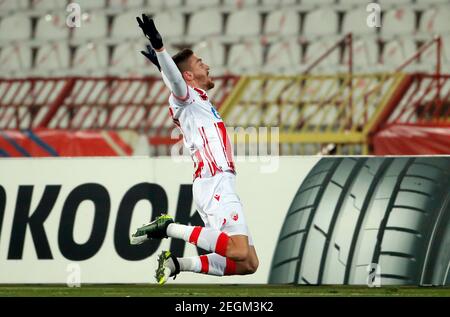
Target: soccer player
(225,233)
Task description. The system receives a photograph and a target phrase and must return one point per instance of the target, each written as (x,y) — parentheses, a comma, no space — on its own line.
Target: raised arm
(171,75)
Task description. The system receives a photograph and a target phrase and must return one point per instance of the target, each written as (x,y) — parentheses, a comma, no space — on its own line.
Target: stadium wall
(67,218)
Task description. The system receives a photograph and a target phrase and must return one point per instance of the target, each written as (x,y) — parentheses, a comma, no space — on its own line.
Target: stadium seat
(355,21)
(15,59)
(212,52)
(398,22)
(314,25)
(446,49)
(94,26)
(52,58)
(90,59)
(321,3)
(351,3)
(209,17)
(428,2)
(127,61)
(240,3)
(162,4)
(396,52)
(121,27)
(282,22)
(429,57)
(278,3)
(393,3)
(91,4)
(316,49)
(245,57)
(13,5)
(365,53)
(52,27)
(284,57)
(435,20)
(16,27)
(243,23)
(125,4)
(48,5)
(172,22)
(203,3)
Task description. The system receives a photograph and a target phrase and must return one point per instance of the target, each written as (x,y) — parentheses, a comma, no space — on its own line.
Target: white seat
(125,4)
(52,27)
(396,52)
(243,23)
(203,3)
(212,52)
(428,2)
(13,5)
(282,22)
(91,4)
(446,49)
(121,26)
(400,21)
(172,22)
(390,3)
(280,3)
(199,20)
(90,57)
(355,22)
(430,55)
(320,3)
(15,27)
(128,62)
(15,58)
(365,53)
(245,57)
(240,3)
(436,20)
(151,4)
(48,5)
(316,49)
(283,56)
(315,26)
(351,2)
(93,26)
(52,57)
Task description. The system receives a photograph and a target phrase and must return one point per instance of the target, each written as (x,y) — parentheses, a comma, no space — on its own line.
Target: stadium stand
(240,40)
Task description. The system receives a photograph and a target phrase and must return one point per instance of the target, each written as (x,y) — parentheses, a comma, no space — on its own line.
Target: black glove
(151,55)
(148,27)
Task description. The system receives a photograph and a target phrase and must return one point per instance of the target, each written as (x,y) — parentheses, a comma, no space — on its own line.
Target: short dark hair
(181,57)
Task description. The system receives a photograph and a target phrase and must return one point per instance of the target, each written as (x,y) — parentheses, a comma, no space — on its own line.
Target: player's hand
(148,27)
(151,55)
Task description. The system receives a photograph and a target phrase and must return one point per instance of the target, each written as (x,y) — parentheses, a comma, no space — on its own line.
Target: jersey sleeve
(187,100)
(172,76)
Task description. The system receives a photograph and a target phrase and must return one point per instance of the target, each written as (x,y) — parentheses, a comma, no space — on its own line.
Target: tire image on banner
(352,217)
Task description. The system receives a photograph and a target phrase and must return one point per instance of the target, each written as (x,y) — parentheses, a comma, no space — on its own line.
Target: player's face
(200,72)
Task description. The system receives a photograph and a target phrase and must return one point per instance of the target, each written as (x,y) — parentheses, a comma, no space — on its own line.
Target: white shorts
(219,205)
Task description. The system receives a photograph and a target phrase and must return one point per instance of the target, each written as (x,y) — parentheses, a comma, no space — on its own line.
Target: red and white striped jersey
(204,133)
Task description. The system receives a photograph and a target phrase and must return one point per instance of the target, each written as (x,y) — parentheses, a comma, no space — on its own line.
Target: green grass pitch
(183,290)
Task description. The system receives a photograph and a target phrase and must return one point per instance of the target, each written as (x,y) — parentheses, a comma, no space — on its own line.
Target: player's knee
(253,267)
(241,254)
(250,267)
(238,254)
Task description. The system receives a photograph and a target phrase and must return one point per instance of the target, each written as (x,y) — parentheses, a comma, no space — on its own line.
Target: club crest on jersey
(215,113)
(234,216)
